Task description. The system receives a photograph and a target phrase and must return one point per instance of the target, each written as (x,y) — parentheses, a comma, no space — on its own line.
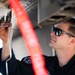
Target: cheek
(63,41)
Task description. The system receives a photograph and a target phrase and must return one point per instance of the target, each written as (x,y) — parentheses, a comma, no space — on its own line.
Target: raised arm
(4,36)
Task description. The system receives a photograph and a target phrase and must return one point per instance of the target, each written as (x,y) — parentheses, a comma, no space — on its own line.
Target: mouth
(53,40)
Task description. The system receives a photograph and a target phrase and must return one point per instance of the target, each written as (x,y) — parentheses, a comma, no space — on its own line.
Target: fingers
(4,30)
(5,24)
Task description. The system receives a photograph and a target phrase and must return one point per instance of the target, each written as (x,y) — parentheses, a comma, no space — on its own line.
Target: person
(63,63)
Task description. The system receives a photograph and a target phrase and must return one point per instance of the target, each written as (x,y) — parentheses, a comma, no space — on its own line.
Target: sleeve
(3,63)
(16,67)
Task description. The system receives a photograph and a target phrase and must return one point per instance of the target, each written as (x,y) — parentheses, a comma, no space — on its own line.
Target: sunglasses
(59,32)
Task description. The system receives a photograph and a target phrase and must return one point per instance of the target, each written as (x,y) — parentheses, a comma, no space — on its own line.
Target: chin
(52,45)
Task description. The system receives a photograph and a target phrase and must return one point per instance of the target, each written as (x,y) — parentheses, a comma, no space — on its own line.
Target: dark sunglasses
(59,32)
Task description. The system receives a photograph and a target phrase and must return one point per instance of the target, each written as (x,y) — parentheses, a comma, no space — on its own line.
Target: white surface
(0,74)
(1,43)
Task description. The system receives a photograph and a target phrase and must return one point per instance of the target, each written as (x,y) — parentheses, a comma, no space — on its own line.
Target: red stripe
(30,37)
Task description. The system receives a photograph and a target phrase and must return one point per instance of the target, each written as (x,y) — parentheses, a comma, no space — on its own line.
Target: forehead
(62,25)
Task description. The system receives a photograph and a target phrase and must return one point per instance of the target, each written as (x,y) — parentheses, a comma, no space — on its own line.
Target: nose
(52,33)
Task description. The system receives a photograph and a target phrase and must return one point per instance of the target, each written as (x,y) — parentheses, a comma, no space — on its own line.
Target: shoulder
(28,60)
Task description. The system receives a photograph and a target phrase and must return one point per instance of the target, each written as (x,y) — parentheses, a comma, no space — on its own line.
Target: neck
(64,56)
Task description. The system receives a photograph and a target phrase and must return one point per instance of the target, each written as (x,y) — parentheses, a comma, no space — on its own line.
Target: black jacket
(24,67)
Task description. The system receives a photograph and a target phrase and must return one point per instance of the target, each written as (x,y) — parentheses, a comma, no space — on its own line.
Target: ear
(72,41)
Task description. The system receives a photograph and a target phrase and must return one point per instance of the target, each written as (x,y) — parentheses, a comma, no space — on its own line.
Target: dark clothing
(24,67)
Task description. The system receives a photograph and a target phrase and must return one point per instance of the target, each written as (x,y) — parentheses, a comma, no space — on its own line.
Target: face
(61,41)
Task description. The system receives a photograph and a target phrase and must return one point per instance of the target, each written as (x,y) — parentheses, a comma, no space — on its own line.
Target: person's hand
(4,31)
(5,27)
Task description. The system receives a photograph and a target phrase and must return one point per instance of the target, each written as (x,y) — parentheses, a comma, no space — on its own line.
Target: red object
(30,37)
